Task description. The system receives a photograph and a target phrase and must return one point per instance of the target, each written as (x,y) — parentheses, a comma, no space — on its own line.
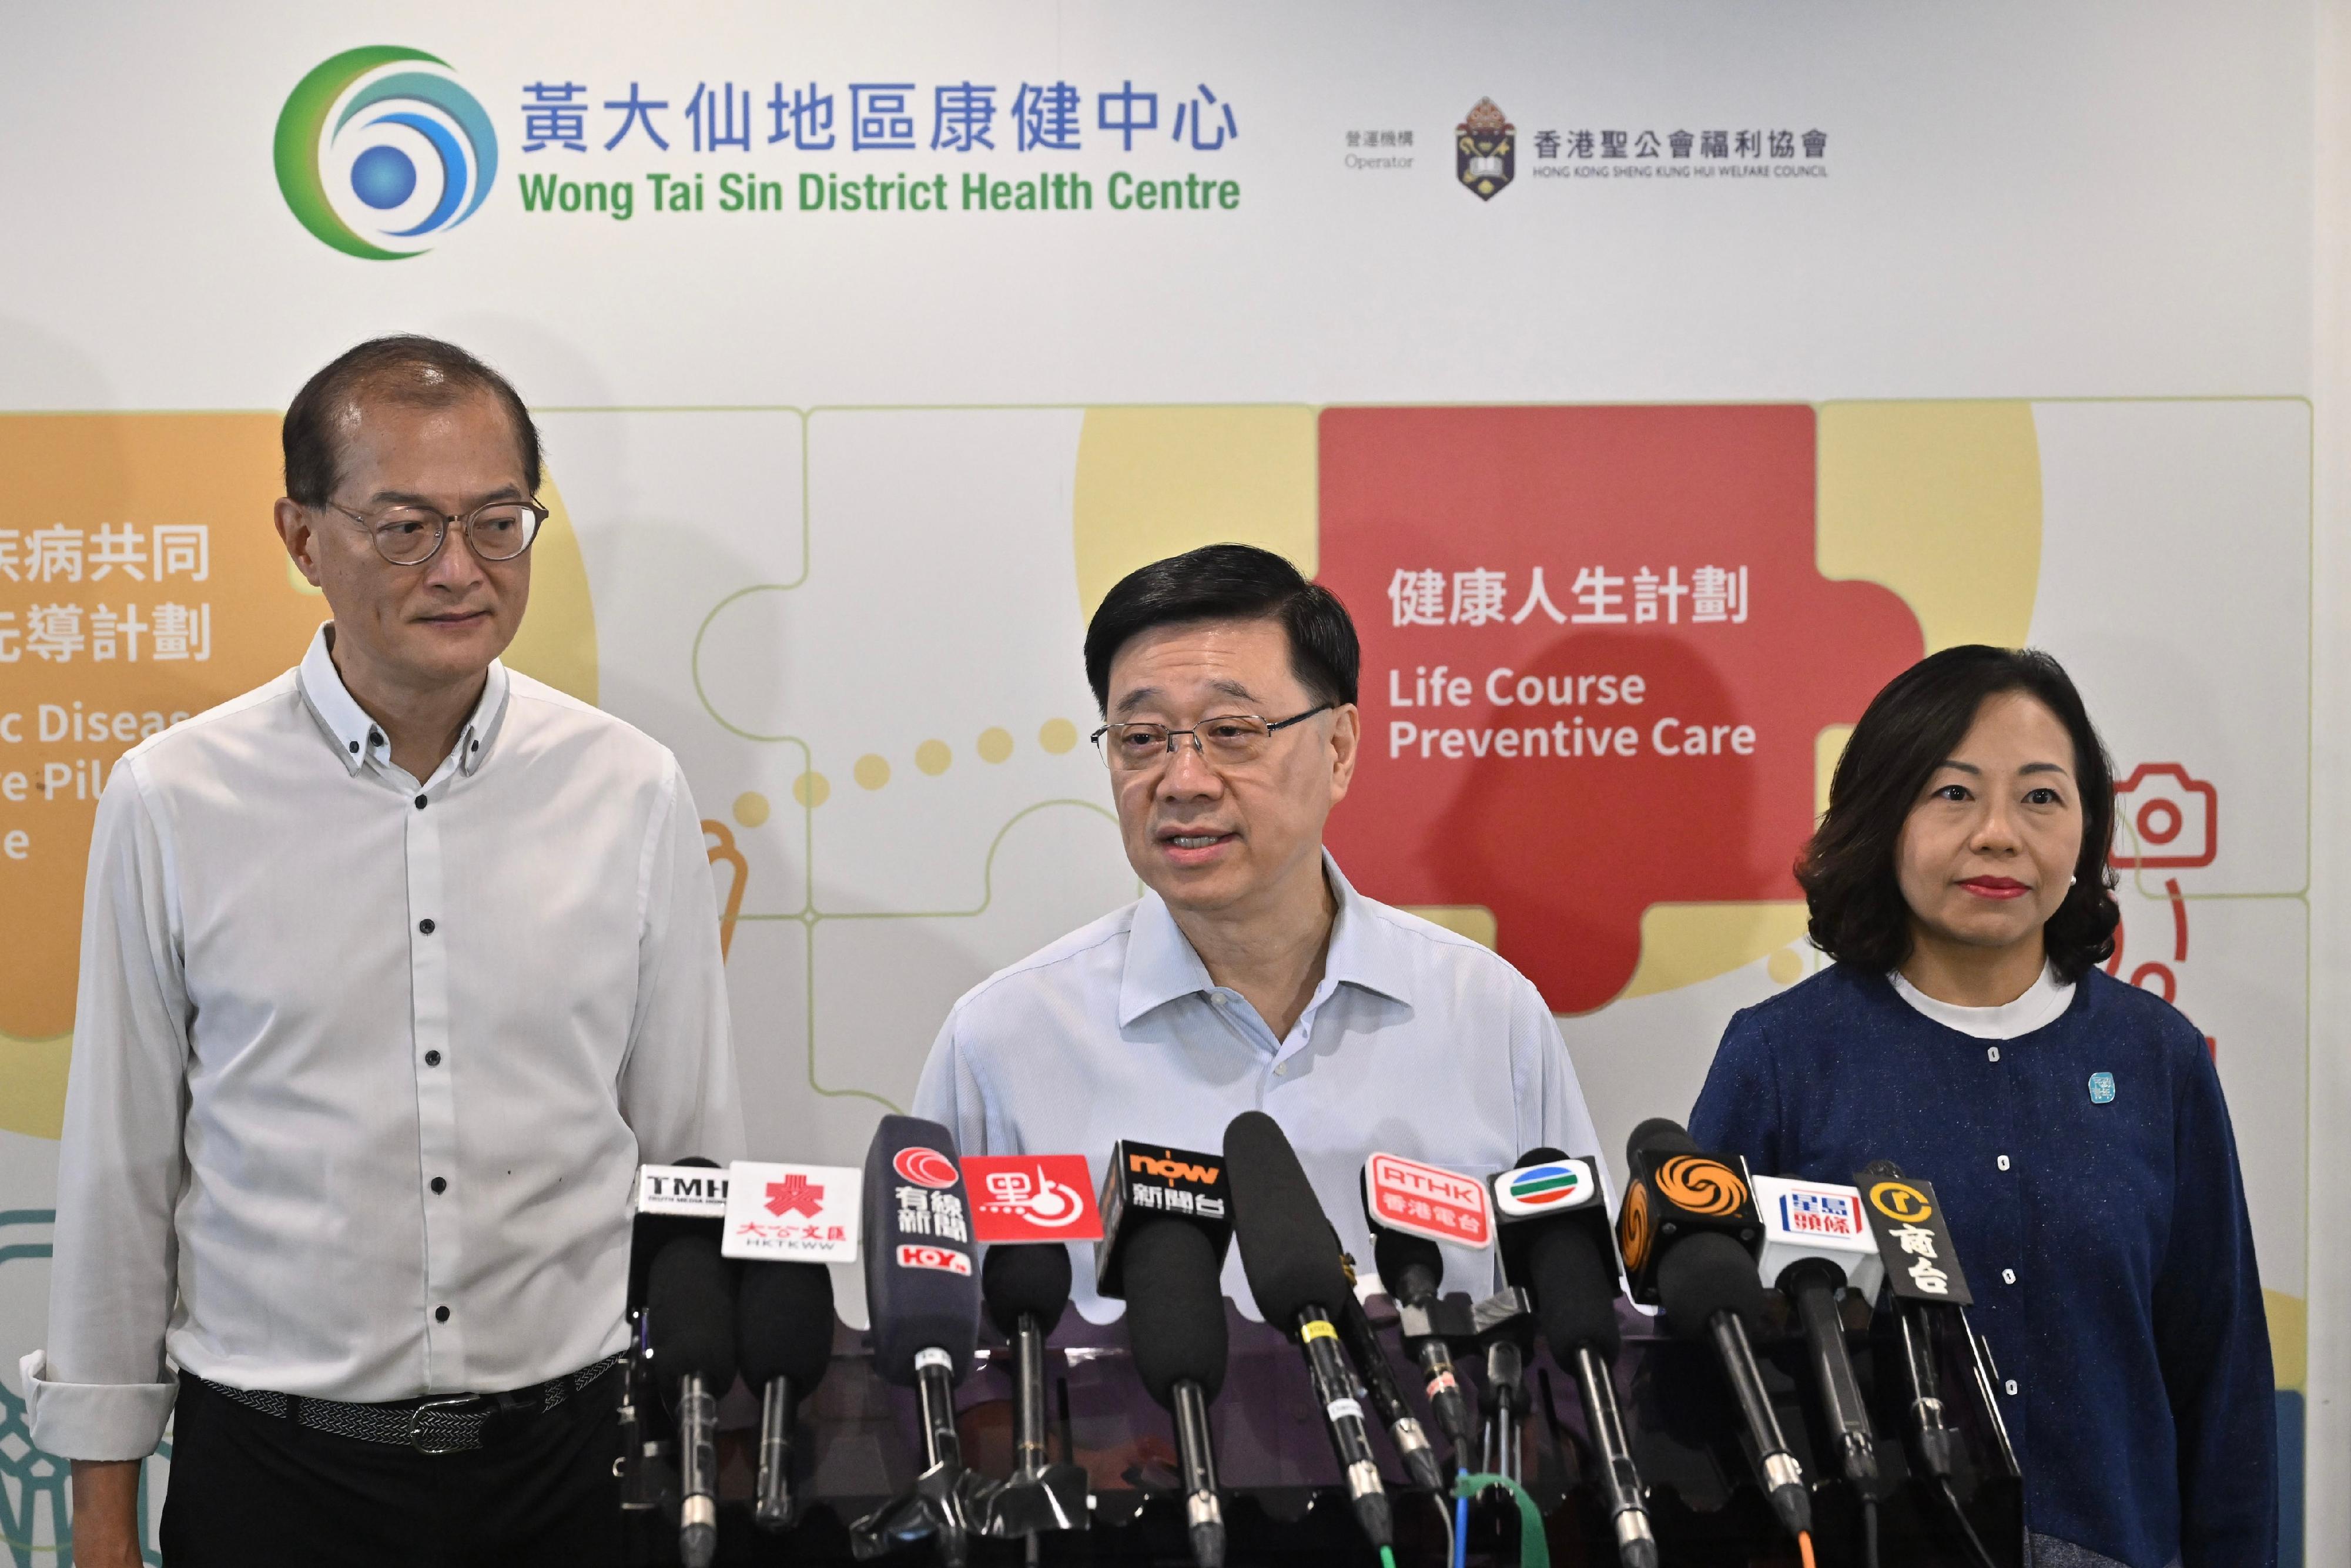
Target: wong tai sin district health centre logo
(379,151)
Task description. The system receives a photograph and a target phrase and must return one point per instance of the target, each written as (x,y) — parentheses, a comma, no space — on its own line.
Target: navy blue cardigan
(2106,1244)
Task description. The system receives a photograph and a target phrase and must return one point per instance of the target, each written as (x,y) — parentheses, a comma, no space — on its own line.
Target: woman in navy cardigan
(2073,1125)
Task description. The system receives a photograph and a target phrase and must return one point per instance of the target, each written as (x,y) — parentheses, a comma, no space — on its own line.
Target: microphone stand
(773,1509)
(1203,1516)
(697,1453)
(1620,1482)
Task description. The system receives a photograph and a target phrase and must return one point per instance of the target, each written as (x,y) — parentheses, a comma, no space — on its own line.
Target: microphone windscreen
(1541,1154)
(1174,1309)
(921,1282)
(783,1323)
(1288,1250)
(1705,1273)
(1575,1291)
(1396,1255)
(1658,1134)
(1031,1277)
(690,1296)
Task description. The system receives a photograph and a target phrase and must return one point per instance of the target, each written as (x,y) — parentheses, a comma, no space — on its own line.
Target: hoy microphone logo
(379,151)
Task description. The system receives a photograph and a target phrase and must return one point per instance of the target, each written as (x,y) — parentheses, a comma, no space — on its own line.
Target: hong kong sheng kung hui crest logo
(1485,150)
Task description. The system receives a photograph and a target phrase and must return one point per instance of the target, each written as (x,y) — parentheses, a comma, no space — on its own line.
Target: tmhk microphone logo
(379,151)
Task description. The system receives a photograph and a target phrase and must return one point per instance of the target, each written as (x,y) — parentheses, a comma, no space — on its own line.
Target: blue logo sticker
(2102,1088)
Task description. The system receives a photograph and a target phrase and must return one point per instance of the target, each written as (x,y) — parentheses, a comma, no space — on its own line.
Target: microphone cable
(1967,1528)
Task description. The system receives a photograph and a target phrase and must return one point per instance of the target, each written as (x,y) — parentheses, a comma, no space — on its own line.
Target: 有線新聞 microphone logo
(1701,1186)
(924,1167)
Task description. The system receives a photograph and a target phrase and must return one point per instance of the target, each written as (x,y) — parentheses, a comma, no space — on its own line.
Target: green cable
(1387,1557)
(1534,1552)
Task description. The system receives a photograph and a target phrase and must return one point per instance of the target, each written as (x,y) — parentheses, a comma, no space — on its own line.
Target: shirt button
(432,1059)
(2008,1276)
(426,927)
(2011,1382)
(420,802)
(1991,1055)
(2004,1159)
(355,749)
(440,1184)
(441,1315)
(1218,998)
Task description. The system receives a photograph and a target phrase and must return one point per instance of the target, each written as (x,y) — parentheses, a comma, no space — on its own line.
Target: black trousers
(249,1489)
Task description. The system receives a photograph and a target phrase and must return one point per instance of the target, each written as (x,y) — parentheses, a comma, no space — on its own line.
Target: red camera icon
(2165,817)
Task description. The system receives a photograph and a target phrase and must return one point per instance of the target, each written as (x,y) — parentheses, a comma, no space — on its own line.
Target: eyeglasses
(409,535)
(1228,740)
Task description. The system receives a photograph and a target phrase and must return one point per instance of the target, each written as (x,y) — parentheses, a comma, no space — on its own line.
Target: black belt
(434,1424)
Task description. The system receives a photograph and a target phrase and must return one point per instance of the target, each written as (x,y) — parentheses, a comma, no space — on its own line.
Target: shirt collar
(1161,964)
(359,740)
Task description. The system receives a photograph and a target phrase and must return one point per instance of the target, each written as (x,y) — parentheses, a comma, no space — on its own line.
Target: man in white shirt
(1251,975)
(391,971)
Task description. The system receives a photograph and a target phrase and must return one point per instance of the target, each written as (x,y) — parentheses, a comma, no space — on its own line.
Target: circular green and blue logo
(379,151)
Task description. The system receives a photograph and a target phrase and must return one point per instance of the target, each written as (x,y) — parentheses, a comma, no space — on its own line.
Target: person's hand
(106,1513)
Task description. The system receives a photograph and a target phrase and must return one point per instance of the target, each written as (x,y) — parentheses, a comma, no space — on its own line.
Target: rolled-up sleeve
(98,1389)
(677,1084)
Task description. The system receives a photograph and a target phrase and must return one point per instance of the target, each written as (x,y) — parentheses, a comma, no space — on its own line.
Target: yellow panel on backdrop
(1156,482)
(1941,503)
(148,584)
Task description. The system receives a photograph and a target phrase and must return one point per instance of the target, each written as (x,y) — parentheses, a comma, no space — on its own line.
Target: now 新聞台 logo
(380,150)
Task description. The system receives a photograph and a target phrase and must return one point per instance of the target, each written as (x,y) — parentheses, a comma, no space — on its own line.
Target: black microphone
(1553,1224)
(1413,1270)
(690,1299)
(1922,1266)
(1686,1228)
(1816,1247)
(1294,1270)
(1025,1288)
(1166,1258)
(783,1337)
(688,1199)
(923,1295)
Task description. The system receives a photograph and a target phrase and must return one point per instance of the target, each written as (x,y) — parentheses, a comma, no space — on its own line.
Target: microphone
(1412,1270)
(688,1198)
(1029,1207)
(1167,1228)
(1412,1207)
(1555,1241)
(923,1295)
(1380,1381)
(1906,1223)
(784,1223)
(1816,1245)
(690,1299)
(1688,1223)
(783,1335)
(1294,1269)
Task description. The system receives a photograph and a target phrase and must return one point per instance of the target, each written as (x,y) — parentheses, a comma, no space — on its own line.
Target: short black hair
(1909,729)
(420,371)
(1230,582)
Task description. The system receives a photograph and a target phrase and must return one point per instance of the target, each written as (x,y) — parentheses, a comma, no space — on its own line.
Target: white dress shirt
(1418,1043)
(361,1066)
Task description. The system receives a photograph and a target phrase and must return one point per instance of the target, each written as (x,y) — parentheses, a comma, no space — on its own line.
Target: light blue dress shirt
(1418,1042)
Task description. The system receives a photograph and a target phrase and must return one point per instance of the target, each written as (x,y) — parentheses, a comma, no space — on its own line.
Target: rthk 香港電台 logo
(379,152)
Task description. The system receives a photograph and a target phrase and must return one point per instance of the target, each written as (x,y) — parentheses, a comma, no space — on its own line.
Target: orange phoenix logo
(1701,1186)
(1633,1225)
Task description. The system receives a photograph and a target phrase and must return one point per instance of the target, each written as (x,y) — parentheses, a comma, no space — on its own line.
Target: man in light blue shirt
(1251,975)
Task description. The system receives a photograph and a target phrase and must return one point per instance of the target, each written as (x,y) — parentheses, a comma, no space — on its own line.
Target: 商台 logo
(377,152)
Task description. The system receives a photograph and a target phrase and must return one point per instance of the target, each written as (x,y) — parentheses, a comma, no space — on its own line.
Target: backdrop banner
(1653,384)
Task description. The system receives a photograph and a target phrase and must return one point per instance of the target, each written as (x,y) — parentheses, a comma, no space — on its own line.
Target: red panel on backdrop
(1597,651)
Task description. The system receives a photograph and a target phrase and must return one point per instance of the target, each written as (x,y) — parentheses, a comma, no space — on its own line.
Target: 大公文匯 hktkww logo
(379,151)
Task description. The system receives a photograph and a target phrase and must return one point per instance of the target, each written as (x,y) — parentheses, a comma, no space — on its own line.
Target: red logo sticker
(945,1259)
(1031,1198)
(1431,1201)
(924,1167)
